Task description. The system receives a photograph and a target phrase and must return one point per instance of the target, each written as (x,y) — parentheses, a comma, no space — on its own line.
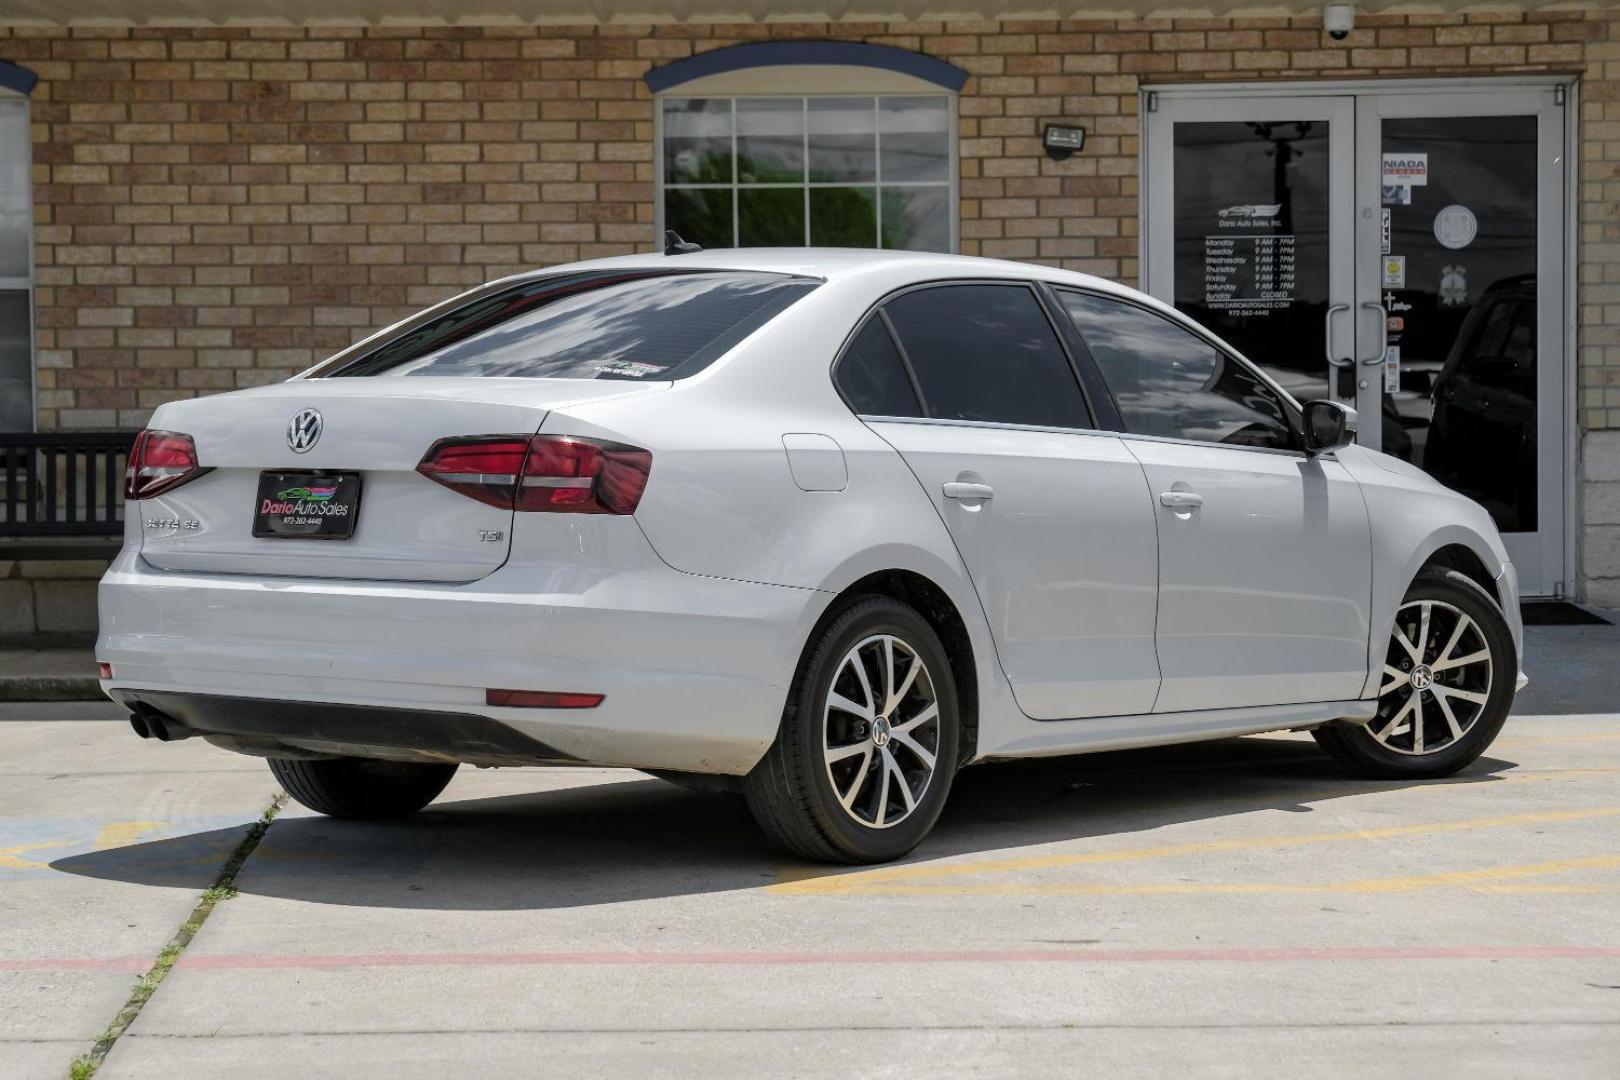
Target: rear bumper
(694,670)
(274,728)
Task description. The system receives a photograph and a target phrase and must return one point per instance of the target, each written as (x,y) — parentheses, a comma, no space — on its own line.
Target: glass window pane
(1251,228)
(916,138)
(1171,383)
(843,217)
(770,140)
(697,141)
(843,140)
(1460,370)
(917,219)
(590,326)
(16,364)
(15,211)
(987,352)
(700,215)
(872,378)
(770,217)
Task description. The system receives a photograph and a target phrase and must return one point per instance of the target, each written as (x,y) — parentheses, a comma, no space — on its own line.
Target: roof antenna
(674,245)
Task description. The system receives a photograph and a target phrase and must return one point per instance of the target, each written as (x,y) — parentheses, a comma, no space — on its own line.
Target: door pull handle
(1181,500)
(1383,333)
(956,489)
(1327,335)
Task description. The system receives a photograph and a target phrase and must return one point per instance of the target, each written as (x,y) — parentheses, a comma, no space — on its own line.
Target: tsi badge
(304,431)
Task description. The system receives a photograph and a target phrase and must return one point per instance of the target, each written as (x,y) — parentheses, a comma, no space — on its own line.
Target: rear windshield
(651,325)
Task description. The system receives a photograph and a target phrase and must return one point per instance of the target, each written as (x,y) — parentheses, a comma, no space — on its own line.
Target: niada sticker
(1455,227)
(1394,271)
(1411,170)
(1392,368)
(1453,286)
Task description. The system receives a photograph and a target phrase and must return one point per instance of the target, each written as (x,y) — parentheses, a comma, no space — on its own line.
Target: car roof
(834,263)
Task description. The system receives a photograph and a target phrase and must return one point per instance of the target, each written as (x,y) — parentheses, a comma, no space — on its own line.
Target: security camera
(1338,20)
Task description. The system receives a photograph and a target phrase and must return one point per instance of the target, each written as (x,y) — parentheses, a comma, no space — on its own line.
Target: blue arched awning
(16,77)
(777,53)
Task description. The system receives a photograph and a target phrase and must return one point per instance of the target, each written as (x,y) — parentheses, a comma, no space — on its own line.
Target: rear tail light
(555,473)
(160,461)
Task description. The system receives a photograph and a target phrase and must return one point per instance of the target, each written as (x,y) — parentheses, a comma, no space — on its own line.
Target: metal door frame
(1547,562)
(1159,205)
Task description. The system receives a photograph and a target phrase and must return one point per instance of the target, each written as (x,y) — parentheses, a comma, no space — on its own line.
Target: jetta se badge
(304,431)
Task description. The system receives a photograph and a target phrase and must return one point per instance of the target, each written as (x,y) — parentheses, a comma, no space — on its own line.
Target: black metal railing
(62,483)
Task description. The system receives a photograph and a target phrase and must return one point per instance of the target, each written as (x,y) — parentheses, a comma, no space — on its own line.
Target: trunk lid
(407,528)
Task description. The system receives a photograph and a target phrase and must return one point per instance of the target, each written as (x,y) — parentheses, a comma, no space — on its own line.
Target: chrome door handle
(1180,500)
(958,490)
(1327,336)
(1383,332)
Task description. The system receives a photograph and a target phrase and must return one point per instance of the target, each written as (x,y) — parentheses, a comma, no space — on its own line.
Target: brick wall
(222,207)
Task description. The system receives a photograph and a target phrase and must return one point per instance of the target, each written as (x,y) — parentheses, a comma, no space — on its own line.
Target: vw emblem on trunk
(304,430)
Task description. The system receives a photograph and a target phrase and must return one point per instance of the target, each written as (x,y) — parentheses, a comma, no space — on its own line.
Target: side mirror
(1328,426)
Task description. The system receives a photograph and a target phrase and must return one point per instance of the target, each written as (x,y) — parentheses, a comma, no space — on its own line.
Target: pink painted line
(230,962)
(986,956)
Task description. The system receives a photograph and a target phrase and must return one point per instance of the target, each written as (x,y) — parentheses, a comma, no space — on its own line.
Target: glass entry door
(1461,211)
(1398,248)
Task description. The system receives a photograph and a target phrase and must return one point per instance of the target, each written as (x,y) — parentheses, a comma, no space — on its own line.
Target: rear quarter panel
(722,501)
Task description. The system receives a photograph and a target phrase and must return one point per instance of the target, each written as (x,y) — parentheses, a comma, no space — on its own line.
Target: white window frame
(26,284)
(951,183)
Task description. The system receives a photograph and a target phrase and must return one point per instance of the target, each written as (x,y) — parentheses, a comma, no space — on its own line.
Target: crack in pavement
(223,888)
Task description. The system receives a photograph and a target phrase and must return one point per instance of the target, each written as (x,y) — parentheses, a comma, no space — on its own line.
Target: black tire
(1356,747)
(362,788)
(790,791)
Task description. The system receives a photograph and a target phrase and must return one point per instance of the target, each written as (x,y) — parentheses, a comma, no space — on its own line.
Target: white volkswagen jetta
(824,526)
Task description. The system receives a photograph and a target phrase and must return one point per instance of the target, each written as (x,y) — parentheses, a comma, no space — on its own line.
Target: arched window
(795,143)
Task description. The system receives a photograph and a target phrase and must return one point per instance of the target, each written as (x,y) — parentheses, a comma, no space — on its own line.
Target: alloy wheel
(880,731)
(1436,681)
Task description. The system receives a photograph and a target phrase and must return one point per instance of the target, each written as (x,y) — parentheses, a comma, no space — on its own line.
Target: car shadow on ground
(643,838)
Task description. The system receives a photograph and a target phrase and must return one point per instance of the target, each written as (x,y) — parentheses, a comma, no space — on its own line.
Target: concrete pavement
(1236,908)
(73,944)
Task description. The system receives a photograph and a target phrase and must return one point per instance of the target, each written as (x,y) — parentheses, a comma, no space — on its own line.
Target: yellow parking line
(122,833)
(1484,880)
(1553,740)
(9,855)
(861,880)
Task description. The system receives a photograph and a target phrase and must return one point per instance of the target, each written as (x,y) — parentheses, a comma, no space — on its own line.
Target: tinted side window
(1169,382)
(871,376)
(987,352)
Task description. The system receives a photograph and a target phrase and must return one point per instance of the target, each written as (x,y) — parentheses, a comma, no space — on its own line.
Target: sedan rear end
(413,553)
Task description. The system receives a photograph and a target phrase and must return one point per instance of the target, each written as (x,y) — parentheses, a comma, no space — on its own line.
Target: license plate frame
(306,506)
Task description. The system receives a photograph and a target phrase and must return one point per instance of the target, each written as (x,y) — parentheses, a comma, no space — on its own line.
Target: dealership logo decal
(304,431)
(1249,215)
(318,493)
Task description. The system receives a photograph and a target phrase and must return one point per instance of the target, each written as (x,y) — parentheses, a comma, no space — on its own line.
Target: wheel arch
(942,614)
(1467,562)
(1453,547)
